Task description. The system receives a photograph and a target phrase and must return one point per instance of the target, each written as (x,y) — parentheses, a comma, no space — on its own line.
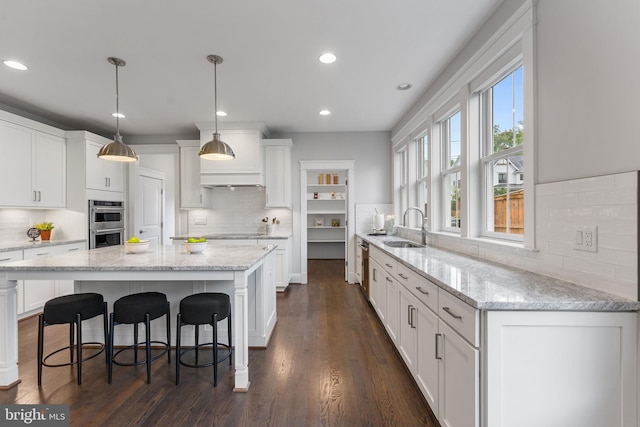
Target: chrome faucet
(423,228)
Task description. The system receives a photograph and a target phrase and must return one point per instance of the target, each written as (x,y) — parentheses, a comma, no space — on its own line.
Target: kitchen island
(245,272)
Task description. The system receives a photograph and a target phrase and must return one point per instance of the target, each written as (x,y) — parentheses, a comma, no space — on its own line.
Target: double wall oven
(106,223)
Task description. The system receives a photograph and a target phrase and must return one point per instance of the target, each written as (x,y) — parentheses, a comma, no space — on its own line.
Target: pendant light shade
(216,149)
(117,150)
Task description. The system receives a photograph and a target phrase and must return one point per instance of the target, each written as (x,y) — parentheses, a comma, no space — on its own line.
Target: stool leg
(168,332)
(197,341)
(111,334)
(71,343)
(215,349)
(135,343)
(229,331)
(40,346)
(106,334)
(147,324)
(78,326)
(179,326)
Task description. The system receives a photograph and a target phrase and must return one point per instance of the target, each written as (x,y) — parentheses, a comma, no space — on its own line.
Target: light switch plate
(586,239)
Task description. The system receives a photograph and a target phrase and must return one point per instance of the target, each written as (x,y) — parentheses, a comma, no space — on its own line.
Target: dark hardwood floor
(329,363)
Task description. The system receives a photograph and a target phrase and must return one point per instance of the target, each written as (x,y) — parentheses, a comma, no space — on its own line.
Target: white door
(149,206)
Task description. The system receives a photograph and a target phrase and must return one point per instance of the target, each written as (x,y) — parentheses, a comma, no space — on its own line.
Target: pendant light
(116,149)
(216,149)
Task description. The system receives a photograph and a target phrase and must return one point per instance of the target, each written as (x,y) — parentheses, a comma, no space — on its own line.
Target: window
(502,157)
(423,172)
(402,180)
(450,133)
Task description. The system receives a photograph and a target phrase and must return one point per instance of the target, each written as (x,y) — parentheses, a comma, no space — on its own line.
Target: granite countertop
(488,285)
(235,236)
(156,258)
(16,246)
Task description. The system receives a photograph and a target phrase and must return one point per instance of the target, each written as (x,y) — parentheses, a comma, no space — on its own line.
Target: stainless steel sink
(402,244)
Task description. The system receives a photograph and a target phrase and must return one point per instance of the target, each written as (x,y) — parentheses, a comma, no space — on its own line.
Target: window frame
(447,171)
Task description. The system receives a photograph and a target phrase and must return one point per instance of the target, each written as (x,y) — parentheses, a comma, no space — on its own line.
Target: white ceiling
(270,73)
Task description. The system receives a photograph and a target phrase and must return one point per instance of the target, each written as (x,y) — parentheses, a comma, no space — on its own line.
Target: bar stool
(132,310)
(71,309)
(206,308)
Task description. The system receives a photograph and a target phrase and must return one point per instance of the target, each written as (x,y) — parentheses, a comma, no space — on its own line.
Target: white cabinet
(102,174)
(34,174)
(191,193)
(10,256)
(281,261)
(36,293)
(377,289)
(278,172)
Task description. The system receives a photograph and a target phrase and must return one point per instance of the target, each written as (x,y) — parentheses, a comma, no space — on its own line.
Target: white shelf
(311,227)
(332,186)
(326,212)
(325,241)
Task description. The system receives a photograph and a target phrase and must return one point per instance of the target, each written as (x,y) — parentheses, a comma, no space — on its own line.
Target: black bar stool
(134,309)
(71,309)
(202,309)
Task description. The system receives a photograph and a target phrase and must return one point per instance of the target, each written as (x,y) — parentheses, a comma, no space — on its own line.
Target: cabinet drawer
(385,261)
(460,316)
(52,250)
(422,288)
(10,256)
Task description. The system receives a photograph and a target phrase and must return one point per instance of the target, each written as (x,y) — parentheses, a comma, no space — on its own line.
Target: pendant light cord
(215,94)
(117,104)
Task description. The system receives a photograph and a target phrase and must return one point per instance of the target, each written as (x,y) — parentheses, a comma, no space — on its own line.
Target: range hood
(245,139)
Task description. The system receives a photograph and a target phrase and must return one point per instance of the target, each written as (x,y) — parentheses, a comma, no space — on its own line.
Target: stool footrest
(141,346)
(224,355)
(84,359)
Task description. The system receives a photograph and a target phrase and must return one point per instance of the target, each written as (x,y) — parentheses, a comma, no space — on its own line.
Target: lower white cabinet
(538,368)
(33,294)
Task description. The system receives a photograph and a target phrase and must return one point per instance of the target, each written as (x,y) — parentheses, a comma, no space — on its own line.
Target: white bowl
(195,248)
(137,247)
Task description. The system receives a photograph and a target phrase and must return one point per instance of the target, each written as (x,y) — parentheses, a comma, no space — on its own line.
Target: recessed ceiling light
(324,112)
(327,58)
(118,115)
(15,65)
(404,86)
(221,113)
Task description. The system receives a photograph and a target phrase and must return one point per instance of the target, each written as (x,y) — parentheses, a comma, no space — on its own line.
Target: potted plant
(45,230)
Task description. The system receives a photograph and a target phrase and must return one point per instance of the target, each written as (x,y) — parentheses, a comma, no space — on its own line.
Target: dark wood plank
(329,363)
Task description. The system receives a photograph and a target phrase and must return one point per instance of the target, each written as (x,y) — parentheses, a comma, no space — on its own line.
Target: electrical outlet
(586,239)
(200,220)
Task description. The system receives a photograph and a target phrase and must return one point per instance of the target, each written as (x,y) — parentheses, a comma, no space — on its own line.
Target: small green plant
(44,226)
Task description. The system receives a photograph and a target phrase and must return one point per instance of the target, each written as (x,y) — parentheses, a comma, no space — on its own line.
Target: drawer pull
(438,356)
(73,249)
(388,265)
(388,279)
(422,291)
(451,313)
(403,276)
(412,312)
(43,253)
(5,259)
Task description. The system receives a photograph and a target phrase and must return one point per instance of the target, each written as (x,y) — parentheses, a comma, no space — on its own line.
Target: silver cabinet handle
(409,315)
(422,291)
(388,279)
(403,276)
(39,196)
(106,181)
(43,253)
(438,355)
(374,275)
(73,249)
(413,323)
(388,265)
(35,196)
(451,313)
(5,259)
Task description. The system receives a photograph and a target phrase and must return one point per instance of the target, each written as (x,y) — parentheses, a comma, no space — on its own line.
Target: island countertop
(488,285)
(156,258)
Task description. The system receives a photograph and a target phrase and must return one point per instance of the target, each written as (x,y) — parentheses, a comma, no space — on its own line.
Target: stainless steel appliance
(364,247)
(106,223)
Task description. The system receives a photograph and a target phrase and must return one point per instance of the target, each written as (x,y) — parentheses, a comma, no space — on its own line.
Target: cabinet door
(458,380)
(49,170)
(114,171)
(407,328)
(278,176)
(393,306)
(426,365)
(16,180)
(377,288)
(190,190)
(96,178)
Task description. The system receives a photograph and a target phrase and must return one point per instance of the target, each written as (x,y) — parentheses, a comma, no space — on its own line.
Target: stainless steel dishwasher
(364,247)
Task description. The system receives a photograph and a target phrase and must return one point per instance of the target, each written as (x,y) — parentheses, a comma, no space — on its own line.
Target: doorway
(149,206)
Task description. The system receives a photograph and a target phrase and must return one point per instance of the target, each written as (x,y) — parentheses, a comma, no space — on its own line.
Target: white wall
(588,56)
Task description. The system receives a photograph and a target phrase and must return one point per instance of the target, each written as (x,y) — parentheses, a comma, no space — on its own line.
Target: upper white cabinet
(88,172)
(191,193)
(245,139)
(278,172)
(32,169)
(103,174)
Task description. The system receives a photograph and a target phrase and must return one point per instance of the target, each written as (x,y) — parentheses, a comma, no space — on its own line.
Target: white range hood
(245,139)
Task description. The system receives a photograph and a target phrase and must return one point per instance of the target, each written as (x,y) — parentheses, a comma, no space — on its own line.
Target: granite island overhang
(245,272)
